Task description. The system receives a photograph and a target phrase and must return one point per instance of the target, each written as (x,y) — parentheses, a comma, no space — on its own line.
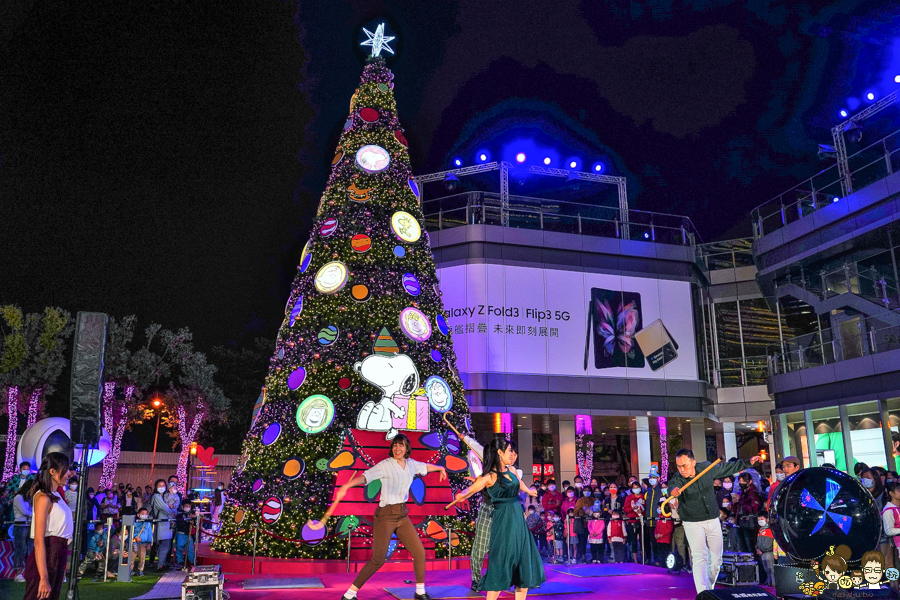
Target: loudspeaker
(87,377)
(740,593)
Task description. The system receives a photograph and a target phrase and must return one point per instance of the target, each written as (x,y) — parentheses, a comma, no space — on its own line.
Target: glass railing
(873,163)
(484,208)
(729,254)
(854,338)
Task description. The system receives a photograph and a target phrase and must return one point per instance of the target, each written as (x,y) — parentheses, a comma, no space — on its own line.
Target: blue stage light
(457,162)
(646,236)
(482,157)
(897,79)
(844,113)
(835,199)
(598,167)
(547,160)
(870,96)
(520,157)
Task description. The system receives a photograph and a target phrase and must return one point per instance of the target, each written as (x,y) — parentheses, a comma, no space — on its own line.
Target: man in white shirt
(482,540)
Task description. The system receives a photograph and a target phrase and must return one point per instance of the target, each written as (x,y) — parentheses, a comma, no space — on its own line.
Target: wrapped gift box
(416,418)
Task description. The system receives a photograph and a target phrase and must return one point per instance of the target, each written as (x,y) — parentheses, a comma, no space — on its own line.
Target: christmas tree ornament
(338,155)
(271,434)
(315,414)
(442,324)
(439,395)
(328,227)
(331,277)
(296,378)
(399,251)
(360,292)
(415,324)
(360,242)
(257,485)
(306,257)
(414,187)
(369,115)
(293,468)
(328,335)
(378,41)
(358,195)
(411,284)
(405,227)
(271,510)
(372,159)
(400,138)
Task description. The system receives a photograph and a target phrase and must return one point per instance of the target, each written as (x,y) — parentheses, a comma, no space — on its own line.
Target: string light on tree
(584,454)
(663,450)
(12,407)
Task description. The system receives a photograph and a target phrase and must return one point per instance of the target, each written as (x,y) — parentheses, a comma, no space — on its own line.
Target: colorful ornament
(383,88)
(339,154)
(417,491)
(257,485)
(258,406)
(344,383)
(322,464)
(271,510)
(360,292)
(347,524)
(296,378)
(313,536)
(293,468)
(281,354)
(332,277)
(371,491)
(405,226)
(414,186)
(315,414)
(296,310)
(242,461)
(369,115)
(327,335)
(271,434)
(442,324)
(344,459)
(239,516)
(411,284)
(372,158)
(360,242)
(399,251)
(436,355)
(415,324)
(400,138)
(348,123)
(306,257)
(328,227)
(358,195)
(439,395)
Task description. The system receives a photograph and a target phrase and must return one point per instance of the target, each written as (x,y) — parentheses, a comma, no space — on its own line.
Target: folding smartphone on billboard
(613,319)
(657,345)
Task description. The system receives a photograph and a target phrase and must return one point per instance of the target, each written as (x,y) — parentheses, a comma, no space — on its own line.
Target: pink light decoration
(12,407)
(664,450)
(584,457)
(584,425)
(506,423)
(34,403)
(109,462)
(186,438)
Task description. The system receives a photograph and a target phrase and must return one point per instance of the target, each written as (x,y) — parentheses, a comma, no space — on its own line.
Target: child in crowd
(765,542)
(548,528)
(95,551)
(663,534)
(183,540)
(596,527)
(143,539)
(559,539)
(573,537)
(615,533)
(118,545)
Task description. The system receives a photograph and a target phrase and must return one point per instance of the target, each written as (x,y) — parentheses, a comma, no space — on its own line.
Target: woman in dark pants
(747,511)
(51,528)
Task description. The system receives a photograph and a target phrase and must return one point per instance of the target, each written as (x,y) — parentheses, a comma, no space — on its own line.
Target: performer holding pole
(699,512)
(396,474)
(514,557)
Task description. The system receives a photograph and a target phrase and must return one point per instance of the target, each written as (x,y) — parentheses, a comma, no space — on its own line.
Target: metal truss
(837,134)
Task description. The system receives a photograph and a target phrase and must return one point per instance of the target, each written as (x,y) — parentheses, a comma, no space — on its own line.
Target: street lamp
(156,404)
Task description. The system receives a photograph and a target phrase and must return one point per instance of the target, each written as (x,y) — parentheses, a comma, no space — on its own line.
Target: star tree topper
(378,40)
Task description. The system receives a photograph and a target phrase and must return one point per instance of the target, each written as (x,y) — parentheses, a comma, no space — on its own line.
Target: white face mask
(868,483)
(142,517)
(25,472)
(586,493)
(552,488)
(762,523)
(160,489)
(728,485)
(665,491)
(635,490)
(779,476)
(73,486)
(653,482)
(571,494)
(555,519)
(578,484)
(220,487)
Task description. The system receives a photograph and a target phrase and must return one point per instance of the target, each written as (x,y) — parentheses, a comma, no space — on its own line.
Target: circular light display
(313,536)
(331,277)
(442,324)
(411,284)
(360,293)
(293,468)
(315,414)
(415,324)
(271,434)
(344,383)
(296,378)
(369,115)
(360,242)
(328,227)
(372,159)
(439,395)
(399,251)
(322,464)
(306,257)
(257,485)
(239,516)
(414,187)
(271,510)
(406,227)
(348,123)
(436,356)
(327,335)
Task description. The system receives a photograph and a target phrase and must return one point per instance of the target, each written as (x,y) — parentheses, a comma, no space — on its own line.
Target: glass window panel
(893,407)
(865,434)
(829,439)
(796,429)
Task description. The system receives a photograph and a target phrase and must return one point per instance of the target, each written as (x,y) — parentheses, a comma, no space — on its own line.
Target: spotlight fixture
(870,96)
(482,157)
(457,162)
(896,78)
(843,113)
(573,164)
(826,152)
(451,181)
(835,199)
(547,160)
(520,157)
(853,132)
(598,167)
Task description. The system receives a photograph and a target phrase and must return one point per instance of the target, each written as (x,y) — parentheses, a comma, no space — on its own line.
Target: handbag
(748,522)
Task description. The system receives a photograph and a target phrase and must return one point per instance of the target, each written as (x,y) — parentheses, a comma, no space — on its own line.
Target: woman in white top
(396,474)
(51,529)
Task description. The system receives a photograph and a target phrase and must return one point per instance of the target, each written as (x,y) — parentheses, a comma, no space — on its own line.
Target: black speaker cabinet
(748,592)
(87,377)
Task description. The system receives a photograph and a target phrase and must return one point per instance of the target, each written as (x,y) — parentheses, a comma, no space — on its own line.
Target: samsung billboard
(508,319)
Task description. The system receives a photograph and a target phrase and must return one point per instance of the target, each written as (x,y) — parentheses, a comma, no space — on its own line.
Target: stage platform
(234,563)
(651,583)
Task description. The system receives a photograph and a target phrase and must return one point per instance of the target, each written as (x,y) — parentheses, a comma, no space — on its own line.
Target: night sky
(165,159)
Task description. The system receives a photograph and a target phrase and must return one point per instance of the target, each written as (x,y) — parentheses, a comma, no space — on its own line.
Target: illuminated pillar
(564,459)
(730,438)
(642,436)
(526,448)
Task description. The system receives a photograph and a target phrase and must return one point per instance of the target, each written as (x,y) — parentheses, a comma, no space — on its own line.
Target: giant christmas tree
(364,353)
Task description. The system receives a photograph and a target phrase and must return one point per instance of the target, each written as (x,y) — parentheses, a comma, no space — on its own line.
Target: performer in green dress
(513,557)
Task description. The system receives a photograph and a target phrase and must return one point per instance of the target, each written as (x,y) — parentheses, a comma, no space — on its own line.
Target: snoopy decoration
(401,406)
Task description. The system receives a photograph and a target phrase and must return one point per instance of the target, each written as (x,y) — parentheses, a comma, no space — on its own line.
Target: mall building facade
(613,337)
